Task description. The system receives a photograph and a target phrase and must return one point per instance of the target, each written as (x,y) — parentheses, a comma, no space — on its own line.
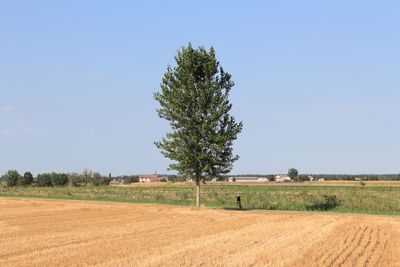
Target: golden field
(37,232)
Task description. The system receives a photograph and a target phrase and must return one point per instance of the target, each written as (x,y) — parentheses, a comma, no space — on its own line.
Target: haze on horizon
(317,83)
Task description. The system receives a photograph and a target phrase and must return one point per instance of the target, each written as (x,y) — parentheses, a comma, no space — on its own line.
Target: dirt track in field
(37,232)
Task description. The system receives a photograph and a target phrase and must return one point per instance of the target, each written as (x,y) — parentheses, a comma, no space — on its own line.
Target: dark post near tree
(194,98)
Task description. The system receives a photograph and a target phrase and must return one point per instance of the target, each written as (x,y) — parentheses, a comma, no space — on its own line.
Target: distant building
(311,178)
(115,181)
(248,179)
(151,178)
(282,178)
(321,179)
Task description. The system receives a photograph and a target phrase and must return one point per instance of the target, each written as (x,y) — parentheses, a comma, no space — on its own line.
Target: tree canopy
(194,98)
(293,174)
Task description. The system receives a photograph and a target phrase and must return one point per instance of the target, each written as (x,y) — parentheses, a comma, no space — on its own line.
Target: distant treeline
(13,178)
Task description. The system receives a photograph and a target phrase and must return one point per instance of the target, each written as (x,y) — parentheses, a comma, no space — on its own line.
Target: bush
(131,179)
(11,178)
(43,179)
(328,202)
(98,179)
(25,180)
(74,179)
(59,179)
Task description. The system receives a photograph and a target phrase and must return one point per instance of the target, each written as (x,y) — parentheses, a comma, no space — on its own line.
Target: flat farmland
(369,199)
(36,232)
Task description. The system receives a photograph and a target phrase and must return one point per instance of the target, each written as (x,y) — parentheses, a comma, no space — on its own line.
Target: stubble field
(36,232)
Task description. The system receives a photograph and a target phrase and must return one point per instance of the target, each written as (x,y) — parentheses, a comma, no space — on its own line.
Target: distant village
(154,178)
(157,178)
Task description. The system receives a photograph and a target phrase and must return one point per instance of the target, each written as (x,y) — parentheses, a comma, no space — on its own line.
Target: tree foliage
(74,179)
(87,175)
(131,179)
(59,179)
(26,179)
(194,99)
(293,174)
(43,179)
(11,178)
(98,179)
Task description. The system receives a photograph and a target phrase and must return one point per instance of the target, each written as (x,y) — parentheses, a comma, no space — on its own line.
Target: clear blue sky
(317,82)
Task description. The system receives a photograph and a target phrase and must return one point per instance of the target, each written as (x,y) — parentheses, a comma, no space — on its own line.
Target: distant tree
(87,175)
(271,177)
(59,179)
(98,179)
(26,179)
(163,180)
(293,174)
(172,177)
(11,178)
(131,179)
(74,179)
(194,97)
(43,179)
(302,178)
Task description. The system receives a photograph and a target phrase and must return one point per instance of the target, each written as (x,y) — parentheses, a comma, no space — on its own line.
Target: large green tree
(293,174)
(194,99)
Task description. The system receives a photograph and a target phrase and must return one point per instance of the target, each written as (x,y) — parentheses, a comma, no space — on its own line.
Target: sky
(316,82)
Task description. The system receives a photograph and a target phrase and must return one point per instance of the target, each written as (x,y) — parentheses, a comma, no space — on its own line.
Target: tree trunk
(198,194)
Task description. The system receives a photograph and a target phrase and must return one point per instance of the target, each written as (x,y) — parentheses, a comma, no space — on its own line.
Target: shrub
(25,180)
(11,178)
(163,180)
(328,202)
(131,179)
(98,179)
(43,179)
(74,179)
(59,179)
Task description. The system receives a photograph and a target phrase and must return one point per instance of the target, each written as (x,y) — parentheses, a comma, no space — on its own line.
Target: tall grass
(371,200)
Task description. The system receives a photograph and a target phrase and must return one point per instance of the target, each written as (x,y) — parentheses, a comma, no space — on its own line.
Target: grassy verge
(382,200)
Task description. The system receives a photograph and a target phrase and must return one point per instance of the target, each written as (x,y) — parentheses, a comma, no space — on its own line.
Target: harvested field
(37,232)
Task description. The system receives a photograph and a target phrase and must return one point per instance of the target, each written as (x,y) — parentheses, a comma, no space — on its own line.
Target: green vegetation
(352,199)
(25,180)
(58,179)
(11,178)
(293,174)
(194,98)
(131,179)
(98,179)
(43,179)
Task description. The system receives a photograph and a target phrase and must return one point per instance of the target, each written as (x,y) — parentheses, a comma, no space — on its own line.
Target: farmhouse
(247,179)
(151,178)
(282,178)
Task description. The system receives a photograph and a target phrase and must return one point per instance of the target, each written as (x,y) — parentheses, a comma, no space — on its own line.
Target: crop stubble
(69,233)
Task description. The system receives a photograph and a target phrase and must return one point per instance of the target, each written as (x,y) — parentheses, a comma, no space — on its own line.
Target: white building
(282,178)
(248,179)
